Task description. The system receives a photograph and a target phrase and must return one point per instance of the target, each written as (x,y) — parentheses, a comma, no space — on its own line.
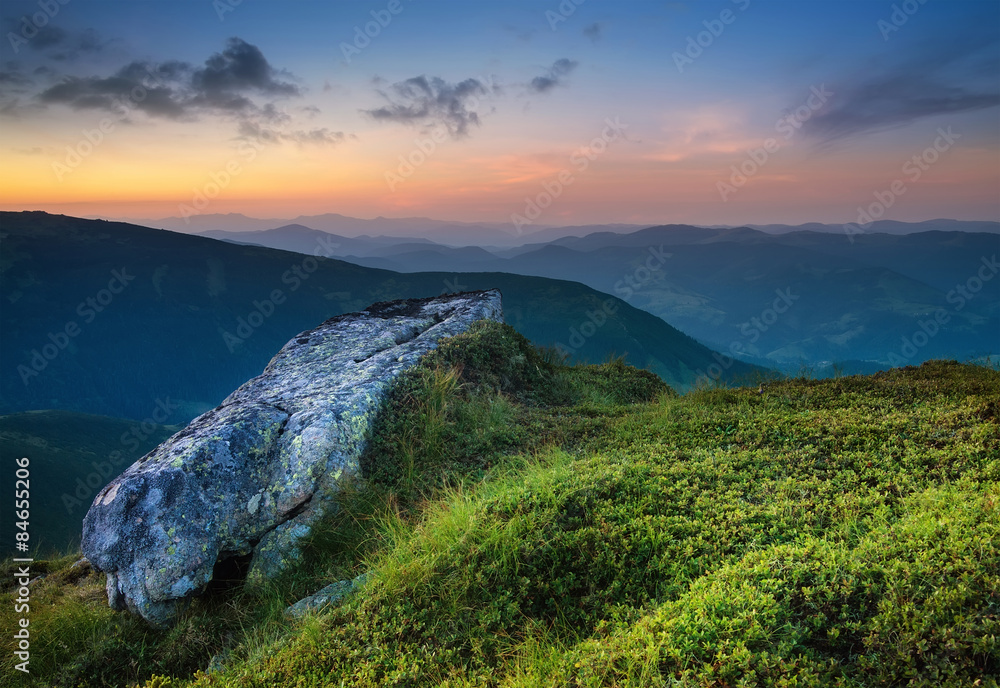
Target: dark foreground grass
(530,524)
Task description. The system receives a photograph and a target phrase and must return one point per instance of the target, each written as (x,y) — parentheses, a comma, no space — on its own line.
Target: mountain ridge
(239,304)
(719,279)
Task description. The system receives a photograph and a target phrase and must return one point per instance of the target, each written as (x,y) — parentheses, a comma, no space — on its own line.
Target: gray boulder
(250,477)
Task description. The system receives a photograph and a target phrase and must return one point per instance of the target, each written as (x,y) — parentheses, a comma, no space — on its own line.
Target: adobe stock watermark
(787,126)
(426,145)
(93,138)
(564,11)
(453,286)
(596,319)
(423,149)
(751,331)
(914,168)
(219,180)
(643,273)
(30,26)
(625,287)
(224,7)
(958,298)
(90,484)
(697,44)
(88,309)
(901,14)
(580,160)
(365,34)
(294,277)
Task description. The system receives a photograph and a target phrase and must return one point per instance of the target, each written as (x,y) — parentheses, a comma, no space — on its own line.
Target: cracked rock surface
(251,476)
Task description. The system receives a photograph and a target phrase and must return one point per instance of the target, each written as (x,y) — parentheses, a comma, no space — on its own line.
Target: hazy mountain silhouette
(889,227)
(854,297)
(443,231)
(316,242)
(106,317)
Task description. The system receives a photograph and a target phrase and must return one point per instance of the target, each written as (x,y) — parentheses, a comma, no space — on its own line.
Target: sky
(528,113)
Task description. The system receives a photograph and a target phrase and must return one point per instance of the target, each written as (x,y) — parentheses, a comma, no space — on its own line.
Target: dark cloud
(239,68)
(593,31)
(272,115)
(938,80)
(177,90)
(556,75)
(156,90)
(237,83)
(426,102)
(14,84)
(14,79)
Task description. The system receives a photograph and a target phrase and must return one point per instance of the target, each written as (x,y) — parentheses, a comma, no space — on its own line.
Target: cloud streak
(922,85)
(556,76)
(427,102)
(317,137)
(65,46)
(14,80)
(56,43)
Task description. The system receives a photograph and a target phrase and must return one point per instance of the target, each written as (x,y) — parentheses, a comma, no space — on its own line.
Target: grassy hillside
(528,523)
(108,318)
(72,456)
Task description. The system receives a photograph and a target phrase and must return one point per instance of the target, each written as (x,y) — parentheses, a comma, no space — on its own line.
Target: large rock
(251,476)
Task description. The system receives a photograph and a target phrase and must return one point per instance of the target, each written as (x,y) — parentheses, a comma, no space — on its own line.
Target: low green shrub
(527,523)
(484,395)
(841,532)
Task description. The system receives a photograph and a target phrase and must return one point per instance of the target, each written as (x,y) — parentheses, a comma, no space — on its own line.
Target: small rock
(218,662)
(330,595)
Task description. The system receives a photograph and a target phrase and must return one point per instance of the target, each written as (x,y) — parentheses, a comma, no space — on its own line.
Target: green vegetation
(481,397)
(528,523)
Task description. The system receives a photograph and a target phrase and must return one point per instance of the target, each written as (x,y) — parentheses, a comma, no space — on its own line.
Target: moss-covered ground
(527,523)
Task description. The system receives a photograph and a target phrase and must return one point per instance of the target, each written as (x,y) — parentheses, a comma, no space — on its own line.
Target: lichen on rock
(251,476)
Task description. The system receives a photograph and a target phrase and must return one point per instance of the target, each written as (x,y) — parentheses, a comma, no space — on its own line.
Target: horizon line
(536,228)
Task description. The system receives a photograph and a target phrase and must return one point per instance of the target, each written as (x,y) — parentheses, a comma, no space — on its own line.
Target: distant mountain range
(111,318)
(501,234)
(888,227)
(857,300)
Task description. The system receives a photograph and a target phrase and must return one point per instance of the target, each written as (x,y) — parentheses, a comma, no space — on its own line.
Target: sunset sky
(633,112)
